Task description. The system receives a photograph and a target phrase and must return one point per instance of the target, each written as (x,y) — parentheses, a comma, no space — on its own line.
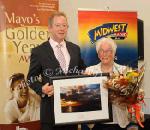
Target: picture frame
(81,99)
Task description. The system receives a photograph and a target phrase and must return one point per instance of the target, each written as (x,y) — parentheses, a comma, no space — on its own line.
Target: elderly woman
(106,49)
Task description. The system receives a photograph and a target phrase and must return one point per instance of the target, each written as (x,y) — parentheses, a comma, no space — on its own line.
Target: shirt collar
(54,43)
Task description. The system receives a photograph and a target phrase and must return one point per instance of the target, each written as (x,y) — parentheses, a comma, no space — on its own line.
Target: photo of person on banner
(55,57)
(106,49)
(23,105)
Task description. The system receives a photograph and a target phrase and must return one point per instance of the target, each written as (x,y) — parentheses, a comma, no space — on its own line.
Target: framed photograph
(81,99)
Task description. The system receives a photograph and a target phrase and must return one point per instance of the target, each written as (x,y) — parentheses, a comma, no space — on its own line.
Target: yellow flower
(132,74)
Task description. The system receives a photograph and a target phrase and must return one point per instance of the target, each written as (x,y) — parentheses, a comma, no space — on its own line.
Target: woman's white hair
(106,40)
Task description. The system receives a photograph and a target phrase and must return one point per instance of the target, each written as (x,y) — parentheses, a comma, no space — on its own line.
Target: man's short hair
(51,18)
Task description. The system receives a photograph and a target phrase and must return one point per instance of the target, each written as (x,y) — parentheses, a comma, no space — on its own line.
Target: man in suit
(45,63)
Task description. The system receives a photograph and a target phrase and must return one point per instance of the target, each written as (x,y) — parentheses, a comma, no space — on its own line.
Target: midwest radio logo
(113,30)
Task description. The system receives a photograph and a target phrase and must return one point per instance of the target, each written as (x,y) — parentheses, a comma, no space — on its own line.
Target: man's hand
(48,89)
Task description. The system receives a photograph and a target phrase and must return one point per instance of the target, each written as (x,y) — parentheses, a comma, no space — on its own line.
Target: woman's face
(106,54)
(20,89)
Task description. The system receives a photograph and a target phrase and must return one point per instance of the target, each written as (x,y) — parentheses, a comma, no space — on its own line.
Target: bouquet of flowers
(126,89)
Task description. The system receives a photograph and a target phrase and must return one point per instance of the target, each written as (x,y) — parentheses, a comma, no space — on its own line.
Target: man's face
(20,89)
(58,29)
(106,54)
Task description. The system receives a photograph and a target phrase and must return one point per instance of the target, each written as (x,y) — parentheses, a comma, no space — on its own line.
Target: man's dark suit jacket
(43,62)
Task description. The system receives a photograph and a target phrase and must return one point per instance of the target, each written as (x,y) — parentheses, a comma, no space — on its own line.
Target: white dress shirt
(64,50)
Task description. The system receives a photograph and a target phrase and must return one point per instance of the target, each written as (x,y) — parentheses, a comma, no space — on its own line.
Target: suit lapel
(50,53)
(70,51)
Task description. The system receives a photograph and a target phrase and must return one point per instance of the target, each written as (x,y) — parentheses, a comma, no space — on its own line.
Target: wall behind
(70,7)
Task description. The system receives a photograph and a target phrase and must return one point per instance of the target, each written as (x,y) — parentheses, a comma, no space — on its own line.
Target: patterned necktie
(61,57)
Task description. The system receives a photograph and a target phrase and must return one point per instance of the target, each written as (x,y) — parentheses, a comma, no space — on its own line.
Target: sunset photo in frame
(81,99)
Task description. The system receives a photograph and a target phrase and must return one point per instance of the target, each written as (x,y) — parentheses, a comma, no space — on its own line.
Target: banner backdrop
(120,26)
(23,26)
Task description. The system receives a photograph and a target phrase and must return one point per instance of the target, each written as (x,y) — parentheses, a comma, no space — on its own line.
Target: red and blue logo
(114,30)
